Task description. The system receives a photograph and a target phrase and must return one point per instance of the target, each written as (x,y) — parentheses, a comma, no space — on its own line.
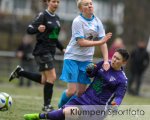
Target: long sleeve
(59,45)
(120,92)
(33,27)
(146,59)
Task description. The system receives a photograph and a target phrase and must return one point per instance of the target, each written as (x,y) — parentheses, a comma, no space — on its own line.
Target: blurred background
(129,21)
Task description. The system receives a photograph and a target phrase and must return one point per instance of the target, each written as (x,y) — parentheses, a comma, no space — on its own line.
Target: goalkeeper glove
(90,68)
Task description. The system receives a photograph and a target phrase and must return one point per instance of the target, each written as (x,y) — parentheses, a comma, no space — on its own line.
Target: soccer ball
(5,101)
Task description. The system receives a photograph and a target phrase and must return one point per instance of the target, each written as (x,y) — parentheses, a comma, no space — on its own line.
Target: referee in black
(46,26)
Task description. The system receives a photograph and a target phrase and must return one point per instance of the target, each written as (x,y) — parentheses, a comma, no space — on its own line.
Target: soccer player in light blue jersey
(107,88)
(87,32)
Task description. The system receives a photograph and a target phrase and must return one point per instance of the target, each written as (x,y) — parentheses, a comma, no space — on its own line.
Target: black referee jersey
(47,41)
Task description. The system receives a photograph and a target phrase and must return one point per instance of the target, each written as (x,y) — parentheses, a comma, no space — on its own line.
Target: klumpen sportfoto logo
(111,112)
(100,112)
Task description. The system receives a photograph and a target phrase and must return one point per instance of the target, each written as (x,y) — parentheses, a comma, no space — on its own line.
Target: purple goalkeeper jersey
(106,86)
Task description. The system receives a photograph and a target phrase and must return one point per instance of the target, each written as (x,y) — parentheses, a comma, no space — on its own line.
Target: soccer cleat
(15,72)
(34,116)
(47,108)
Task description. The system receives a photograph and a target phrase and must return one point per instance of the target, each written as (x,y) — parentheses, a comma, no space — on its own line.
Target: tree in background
(136,21)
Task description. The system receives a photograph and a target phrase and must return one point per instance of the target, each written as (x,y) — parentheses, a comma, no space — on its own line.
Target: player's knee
(68,112)
(70,92)
(43,82)
(79,93)
(55,77)
(51,79)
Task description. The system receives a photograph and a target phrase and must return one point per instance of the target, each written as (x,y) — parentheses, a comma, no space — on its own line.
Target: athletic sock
(63,100)
(48,92)
(54,115)
(31,76)
(73,97)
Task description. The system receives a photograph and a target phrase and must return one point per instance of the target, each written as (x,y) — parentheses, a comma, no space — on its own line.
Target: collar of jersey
(88,19)
(50,13)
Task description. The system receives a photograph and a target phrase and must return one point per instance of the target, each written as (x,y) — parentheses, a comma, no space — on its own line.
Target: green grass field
(30,100)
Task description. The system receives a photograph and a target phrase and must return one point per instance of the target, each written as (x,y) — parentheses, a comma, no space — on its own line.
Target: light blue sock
(63,100)
(74,96)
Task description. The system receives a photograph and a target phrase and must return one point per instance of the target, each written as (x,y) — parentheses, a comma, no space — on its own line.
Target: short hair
(79,3)
(46,1)
(124,53)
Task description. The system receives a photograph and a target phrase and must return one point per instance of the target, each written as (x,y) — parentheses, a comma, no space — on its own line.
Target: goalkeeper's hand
(90,68)
(114,107)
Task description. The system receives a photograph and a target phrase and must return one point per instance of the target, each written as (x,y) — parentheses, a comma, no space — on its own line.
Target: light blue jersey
(90,29)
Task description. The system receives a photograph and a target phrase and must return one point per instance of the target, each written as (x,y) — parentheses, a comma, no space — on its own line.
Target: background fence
(8,62)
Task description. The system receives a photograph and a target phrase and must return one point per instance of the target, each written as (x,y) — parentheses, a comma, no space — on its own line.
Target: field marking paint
(28,97)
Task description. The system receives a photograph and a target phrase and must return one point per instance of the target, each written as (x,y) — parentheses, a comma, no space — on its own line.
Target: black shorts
(45,62)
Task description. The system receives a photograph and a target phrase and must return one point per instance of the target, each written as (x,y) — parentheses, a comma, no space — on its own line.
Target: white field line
(28,97)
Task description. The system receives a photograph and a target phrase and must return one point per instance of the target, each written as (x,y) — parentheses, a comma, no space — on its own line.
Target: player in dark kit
(46,26)
(107,88)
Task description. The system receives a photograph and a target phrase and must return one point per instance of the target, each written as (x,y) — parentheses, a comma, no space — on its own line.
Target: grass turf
(30,100)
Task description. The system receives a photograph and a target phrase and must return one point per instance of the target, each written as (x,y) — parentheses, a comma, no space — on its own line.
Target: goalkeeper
(107,87)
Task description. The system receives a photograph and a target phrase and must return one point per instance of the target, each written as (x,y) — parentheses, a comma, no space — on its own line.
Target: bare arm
(103,46)
(88,43)
(104,50)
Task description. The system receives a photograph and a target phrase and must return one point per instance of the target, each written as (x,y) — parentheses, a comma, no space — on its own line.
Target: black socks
(48,92)
(31,76)
(48,87)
